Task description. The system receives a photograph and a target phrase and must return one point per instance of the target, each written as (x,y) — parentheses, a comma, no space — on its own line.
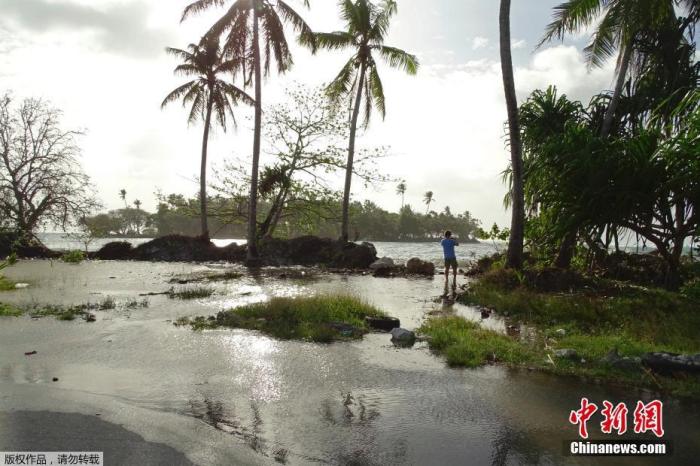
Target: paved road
(48,431)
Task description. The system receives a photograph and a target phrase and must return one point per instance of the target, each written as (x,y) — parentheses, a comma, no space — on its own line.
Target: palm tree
(428,199)
(621,22)
(122,196)
(366,28)
(137,203)
(401,191)
(208,95)
(514,258)
(243,25)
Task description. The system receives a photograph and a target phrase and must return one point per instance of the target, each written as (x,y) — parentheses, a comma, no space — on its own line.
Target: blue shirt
(448,247)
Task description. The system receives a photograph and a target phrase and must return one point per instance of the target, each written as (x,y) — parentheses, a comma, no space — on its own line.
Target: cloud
(121,28)
(479,42)
(519,44)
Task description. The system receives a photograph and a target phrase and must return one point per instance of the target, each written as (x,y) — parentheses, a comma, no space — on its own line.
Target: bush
(73,257)
(691,290)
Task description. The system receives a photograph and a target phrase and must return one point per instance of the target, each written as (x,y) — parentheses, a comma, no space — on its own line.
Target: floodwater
(238,397)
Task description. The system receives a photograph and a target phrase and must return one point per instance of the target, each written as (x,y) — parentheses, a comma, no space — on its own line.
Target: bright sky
(102,62)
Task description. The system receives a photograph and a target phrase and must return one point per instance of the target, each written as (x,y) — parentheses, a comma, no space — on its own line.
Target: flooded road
(237,397)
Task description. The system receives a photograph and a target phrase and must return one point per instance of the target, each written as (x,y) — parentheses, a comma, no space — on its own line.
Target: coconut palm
(242,27)
(137,203)
(122,196)
(207,95)
(428,199)
(514,256)
(367,25)
(619,24)
(401,191)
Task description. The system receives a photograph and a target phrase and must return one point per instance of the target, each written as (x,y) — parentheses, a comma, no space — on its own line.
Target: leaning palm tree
(401,191)
(208,95)
(427,200)
(242,27)
(366,28)
(620,22)
(514,257)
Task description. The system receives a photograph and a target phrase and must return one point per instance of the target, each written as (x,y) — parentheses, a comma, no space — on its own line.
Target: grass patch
(60,312)
(7,310)
(465,343)
(5,284)
(73,257)
(318,318)
(596,318)
(190,292)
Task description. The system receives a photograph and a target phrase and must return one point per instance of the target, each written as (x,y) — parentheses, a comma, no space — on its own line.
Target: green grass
(596,319)
(465,343)
(317,318)
(8,310)
(5,284)
(651,317)
(73,257)
(191,292)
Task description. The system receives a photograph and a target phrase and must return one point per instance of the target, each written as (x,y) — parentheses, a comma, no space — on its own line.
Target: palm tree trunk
(615,100)
(351,155)
(203,169)
(252,249)
(517,227)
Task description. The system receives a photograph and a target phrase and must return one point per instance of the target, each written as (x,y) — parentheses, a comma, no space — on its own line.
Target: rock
(30,353)
(344,329)
(24,246)
(20,286)
(383,263)
(485,313)
(560,332)
(116,250)
(177,248)
(90,318)
(386,324)
(666,363)
(566,353)
(402,336)
(55,379)
(416,266)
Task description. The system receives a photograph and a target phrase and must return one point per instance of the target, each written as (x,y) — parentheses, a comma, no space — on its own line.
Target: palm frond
(572,16)
(382,21)
(605,41)
(235,93)
(306,35)
(368,103)
(187,70)
(197,108)
(179,53)
(177,93)
(397,58)
(198,7)
(341,85)
(275,41)
(334,40)
(377,94)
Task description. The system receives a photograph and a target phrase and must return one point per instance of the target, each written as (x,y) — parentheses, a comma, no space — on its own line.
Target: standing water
(238,397)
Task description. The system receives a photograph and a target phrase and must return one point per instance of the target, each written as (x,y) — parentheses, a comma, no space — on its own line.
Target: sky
(102,62)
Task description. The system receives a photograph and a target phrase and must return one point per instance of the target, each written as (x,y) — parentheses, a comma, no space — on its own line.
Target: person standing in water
(448,248)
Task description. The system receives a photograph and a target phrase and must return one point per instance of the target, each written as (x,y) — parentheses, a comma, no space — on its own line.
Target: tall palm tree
(208,95)
(401,191)
(620,23)
(242,26)
(514,258)
(428,199)
(137,203)
(366,28)
(122,196)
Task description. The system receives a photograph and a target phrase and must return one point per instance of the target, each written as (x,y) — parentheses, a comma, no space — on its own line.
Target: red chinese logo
(582,416)
(647,417)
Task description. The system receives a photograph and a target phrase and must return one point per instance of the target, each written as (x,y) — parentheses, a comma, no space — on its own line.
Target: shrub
(73,257)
